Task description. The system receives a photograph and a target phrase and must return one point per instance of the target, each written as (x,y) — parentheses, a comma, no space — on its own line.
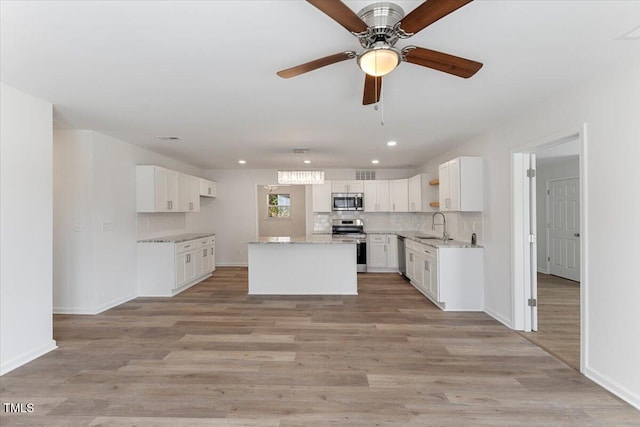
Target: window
(278,205)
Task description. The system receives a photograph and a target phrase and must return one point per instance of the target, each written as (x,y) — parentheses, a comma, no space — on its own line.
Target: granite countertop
(178,238)
(436,243)
(313,239)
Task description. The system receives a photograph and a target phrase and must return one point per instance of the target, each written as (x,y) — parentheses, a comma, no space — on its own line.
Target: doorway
(549,242)
(281,210)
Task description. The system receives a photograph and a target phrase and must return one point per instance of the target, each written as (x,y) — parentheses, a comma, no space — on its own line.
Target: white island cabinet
(169,265)
(312,265)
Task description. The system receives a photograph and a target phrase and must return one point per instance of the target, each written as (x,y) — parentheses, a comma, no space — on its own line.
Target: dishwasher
(402,265)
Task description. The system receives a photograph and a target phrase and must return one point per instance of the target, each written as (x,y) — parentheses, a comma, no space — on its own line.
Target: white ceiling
(205,71)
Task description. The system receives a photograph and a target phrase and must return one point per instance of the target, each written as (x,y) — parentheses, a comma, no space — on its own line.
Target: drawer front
(186,246)
(410,244)
(430,250)
(378,238)
(203,242)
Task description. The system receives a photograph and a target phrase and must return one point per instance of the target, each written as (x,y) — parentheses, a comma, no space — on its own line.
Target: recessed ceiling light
(242,162)
(307,161)
(375,162)
(392,143)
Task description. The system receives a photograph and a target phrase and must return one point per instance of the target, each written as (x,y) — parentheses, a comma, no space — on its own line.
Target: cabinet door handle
(188,246)
(169,205)
(188,260)
(394,206)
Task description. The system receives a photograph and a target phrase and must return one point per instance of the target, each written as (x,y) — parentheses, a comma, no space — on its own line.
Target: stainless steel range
(353,229)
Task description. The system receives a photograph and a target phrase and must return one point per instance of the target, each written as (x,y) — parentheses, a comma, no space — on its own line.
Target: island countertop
(314,239)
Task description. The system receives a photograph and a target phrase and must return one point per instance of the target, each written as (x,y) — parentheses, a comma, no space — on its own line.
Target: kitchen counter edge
(178,238)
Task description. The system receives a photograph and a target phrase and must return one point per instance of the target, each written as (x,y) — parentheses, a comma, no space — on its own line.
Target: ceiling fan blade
(443,62)
(341,13)
(372,89)
(313,65)
(429,12)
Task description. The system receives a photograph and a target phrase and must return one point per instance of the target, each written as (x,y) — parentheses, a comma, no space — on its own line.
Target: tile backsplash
(460,225)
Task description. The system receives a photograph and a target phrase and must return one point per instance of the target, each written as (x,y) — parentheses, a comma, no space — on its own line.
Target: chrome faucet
(445,236)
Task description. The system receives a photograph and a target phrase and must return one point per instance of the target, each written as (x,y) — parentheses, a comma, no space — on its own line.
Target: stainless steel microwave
(347,201)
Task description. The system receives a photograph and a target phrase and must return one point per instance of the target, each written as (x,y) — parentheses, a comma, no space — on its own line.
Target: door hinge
(532,302)
(548,258)
(532,238)
(531,173)
(548,191)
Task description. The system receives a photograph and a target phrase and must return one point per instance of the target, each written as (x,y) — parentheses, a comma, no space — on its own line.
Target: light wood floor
(214,356)
(558,319)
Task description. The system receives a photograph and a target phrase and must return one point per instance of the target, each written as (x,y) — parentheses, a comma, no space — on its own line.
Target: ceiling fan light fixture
(379,60)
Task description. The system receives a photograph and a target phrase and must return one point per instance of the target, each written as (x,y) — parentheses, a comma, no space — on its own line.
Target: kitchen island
(311,265)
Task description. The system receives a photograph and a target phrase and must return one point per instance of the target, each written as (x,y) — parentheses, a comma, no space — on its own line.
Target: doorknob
(576,234)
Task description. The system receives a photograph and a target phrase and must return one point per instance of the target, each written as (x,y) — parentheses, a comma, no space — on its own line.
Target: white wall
(610,106)
(95,222)
(26,321)
(235,211)
(295,225)
(547,170)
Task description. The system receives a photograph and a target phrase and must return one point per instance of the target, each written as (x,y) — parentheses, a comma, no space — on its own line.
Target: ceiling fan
(378,27)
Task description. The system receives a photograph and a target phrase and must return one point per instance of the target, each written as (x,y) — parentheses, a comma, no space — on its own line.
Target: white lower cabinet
(167,268)
(452,278)
(382,253)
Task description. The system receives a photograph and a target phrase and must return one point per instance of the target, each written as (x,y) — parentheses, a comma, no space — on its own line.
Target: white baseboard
(93,310)
(614,387)
(231,264)
(499,317)
(27,357)
(382,270)
(543,270)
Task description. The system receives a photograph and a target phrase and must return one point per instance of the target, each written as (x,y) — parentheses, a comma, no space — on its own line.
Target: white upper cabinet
(321,196)
(376,196)
(418,190)
(347,186)
(189,193)
(163,190)
(461,186)
(156,189)
(399,195)
(208,188)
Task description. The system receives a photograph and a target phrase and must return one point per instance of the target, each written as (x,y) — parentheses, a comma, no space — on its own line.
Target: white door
(564,228)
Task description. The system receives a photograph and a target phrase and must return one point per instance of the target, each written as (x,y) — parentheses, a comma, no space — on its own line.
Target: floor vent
(365,175)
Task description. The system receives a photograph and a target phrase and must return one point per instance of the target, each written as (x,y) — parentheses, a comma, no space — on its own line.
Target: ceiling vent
(366,175)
